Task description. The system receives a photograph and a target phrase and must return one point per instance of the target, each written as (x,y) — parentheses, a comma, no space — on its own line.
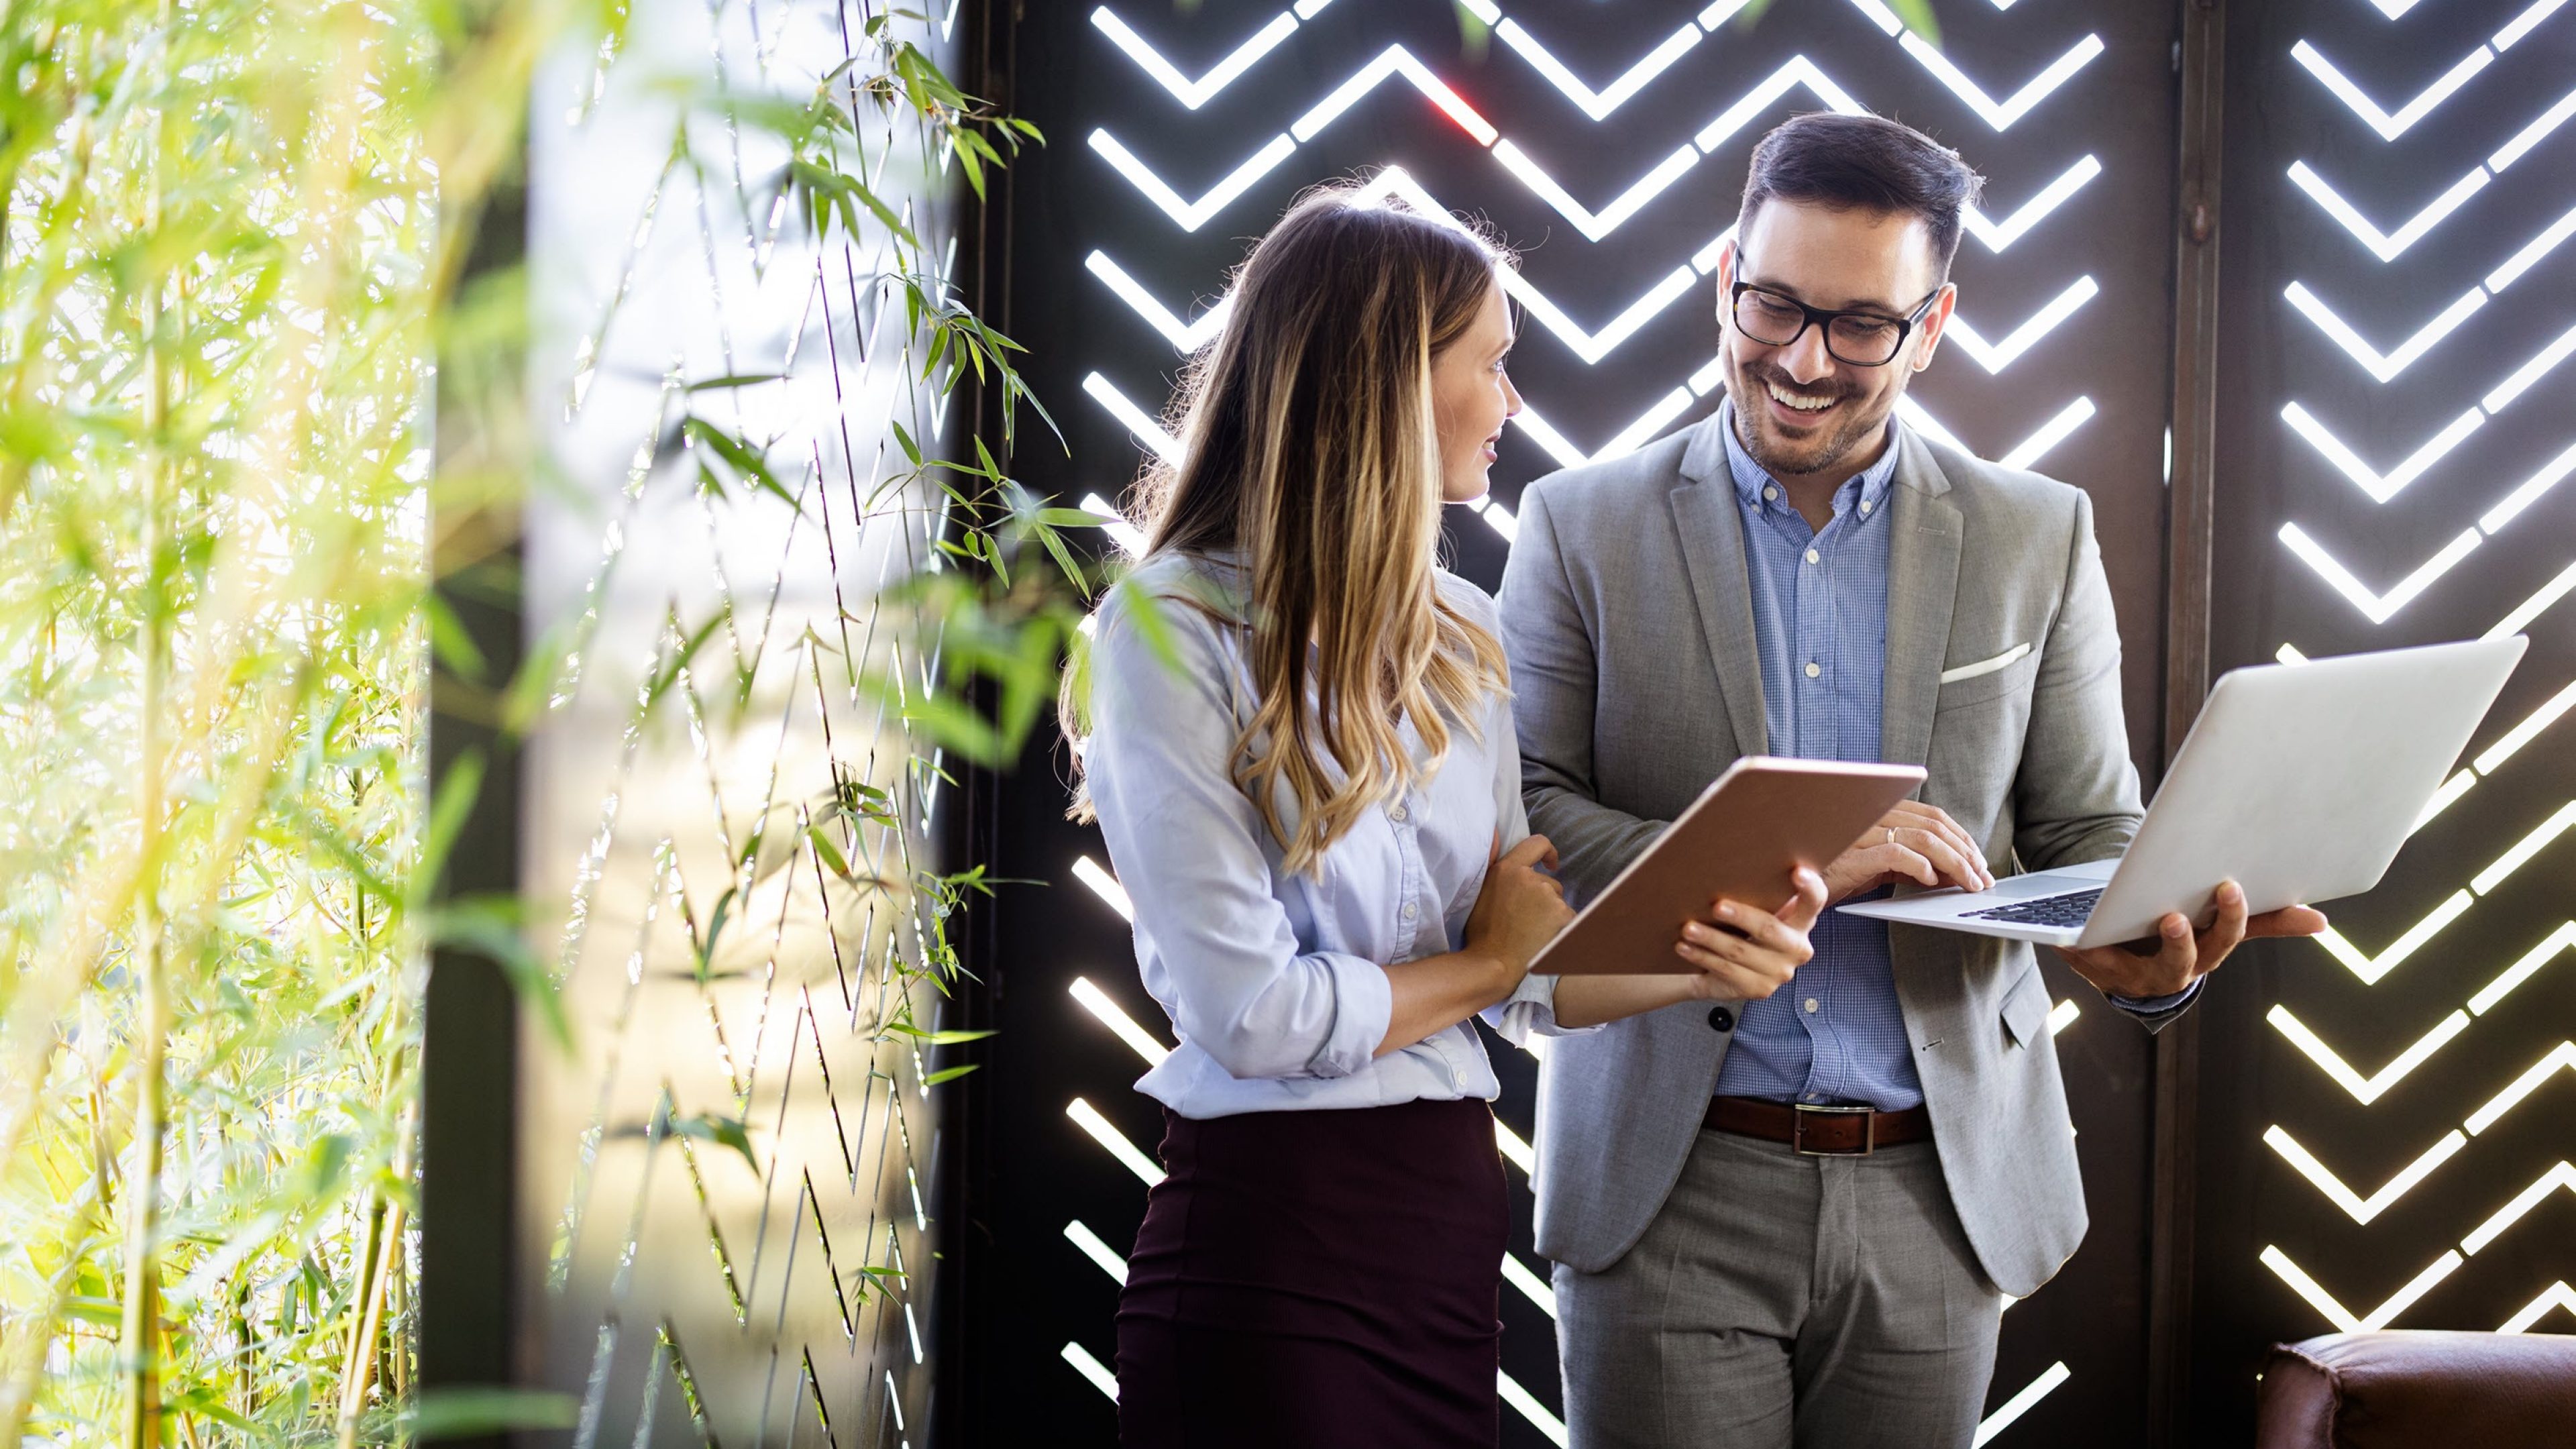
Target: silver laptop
(2299,782)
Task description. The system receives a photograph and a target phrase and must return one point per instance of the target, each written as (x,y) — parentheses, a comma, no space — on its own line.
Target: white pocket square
(1984,666)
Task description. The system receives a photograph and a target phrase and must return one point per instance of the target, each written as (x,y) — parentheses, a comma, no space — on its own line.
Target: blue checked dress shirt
(1836,1032)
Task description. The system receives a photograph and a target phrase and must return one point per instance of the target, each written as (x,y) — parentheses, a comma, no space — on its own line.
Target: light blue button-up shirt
(1835,1033)
(1275,983)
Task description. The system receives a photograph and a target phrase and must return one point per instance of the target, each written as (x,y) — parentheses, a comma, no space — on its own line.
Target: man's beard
(1813,455)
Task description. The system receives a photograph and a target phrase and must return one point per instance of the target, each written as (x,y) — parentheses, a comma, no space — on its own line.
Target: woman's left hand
(1745,953)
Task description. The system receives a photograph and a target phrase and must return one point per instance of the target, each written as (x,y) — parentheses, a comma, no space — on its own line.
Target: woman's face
(1471,395)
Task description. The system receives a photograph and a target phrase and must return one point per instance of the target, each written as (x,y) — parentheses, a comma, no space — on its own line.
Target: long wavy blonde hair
(1310,453)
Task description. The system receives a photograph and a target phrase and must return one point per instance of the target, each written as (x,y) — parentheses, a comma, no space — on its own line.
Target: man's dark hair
(1864,163)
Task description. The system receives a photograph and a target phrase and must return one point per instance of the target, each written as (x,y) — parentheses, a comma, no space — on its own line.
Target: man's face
(1802,410)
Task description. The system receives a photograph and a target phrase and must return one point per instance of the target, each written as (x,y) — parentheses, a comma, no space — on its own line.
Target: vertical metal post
(2199,59)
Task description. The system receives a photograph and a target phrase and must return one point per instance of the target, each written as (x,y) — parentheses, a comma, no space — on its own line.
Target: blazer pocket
(2026,1008)
(1985,679)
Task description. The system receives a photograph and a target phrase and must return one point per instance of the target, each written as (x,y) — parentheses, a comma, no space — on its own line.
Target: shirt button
(1811,1004)
(1411,911)
(1814,669)
(1396,814)
(1811,556)
(1770,495)
(1720,1019)
(1864,505)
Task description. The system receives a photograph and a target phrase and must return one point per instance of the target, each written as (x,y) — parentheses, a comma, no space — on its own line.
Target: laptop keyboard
(2070,909)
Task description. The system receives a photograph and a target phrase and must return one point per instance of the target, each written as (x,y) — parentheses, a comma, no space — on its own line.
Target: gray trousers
(1779,1300)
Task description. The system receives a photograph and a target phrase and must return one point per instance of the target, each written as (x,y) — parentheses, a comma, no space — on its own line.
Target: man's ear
(1726,257)
(1927,336)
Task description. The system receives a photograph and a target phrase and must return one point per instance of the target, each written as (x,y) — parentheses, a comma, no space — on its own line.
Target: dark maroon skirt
(1323,1278)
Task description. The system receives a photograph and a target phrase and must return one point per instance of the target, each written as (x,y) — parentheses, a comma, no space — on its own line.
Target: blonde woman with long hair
(1300,753)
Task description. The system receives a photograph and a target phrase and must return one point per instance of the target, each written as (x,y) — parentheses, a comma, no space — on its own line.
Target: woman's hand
(1745,953)
(1518,911)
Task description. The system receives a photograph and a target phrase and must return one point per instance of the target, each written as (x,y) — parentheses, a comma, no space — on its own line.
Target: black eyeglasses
(1862,339)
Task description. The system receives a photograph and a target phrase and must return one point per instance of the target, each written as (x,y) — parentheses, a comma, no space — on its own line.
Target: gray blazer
(1629,624)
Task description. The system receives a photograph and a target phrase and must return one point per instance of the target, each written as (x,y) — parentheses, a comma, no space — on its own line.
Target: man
(1793,1220)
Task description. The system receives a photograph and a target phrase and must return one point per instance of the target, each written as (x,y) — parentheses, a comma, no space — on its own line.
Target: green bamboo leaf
(948,1074)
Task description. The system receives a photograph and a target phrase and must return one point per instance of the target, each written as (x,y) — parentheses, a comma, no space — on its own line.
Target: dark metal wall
(1609,143)
(2383,1133)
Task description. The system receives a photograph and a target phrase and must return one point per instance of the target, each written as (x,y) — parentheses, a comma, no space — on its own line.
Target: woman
(1301,756)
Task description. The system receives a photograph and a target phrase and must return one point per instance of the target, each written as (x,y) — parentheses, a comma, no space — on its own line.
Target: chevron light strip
(1110,1014)
(2561,940)
(1395,60)
(2562,1056)
(2561,1176)
(1595,226)
(2380,487)
(2390,127)
(1996,356)
(1191,215)
(1091,1370)
(2387,246)
(2342,1317)
(1083,1238)
(1194,93)
(2371,968)
(2362,1210)
(1103,885)
(2366,1090)
(2556,1295)
(2383,367)
(1102,1131)
(1997,235)
(2001,115)
(2377,608)
(1598,104)
(2019,1404)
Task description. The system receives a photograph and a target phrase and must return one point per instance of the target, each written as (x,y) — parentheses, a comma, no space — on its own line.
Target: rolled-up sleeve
(1531,1008)
(1216,942)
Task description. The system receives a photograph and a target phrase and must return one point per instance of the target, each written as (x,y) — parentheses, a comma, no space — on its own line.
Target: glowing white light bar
(1712,373)
(1484,10)
(1138,421)
(2371,968)
(2378,608)
(2001,115)
(1096,1250)
(2532,135)
(1193,93)
(2523,24)
(2383,245)
(1500,520)
(2530,372)
(1720,13)
(1185,336)
(1103,885)
(2051,433)
(2561,1055)
(1797,71)
(2562,939)
(2556,1295)
(2390,127)
(1920,419)
(1879,15)
(1089,1367)
(1649,426)
(2485,882)
(1122,533)
(2538,604)
(1549,1426)
(1532,1286)
(1114,1017)
(1543,433)
(2383,367)
(2538,247)
(2365,1090)
(1088,1118)
(1996,356)
(2358,1208)
(1598,104)
(2452,789)
(2019,1404)
(1514,1150)
(2380,488)
(2062,1016)
(2394,8)
(1593,346)
(2562,1175)
(1395,60)
(1190,214)
(2342,1317)
(1595,226)
(1999,235)
(2289,654)
(2525,732)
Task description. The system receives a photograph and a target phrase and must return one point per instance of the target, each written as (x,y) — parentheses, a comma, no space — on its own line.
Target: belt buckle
(1801,1113)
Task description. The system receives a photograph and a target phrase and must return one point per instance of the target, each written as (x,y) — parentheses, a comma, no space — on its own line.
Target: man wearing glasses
(1795,1219)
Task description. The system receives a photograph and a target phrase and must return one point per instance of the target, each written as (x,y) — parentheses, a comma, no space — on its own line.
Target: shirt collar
(1750,478)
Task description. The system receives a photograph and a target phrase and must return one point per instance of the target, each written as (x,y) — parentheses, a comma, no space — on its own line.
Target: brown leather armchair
(2419,1390)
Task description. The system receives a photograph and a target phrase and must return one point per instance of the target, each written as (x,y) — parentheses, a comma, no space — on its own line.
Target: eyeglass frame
(1822,320)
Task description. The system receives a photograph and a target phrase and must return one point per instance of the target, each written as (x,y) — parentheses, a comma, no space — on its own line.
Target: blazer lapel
(1712,535)
(1922,587)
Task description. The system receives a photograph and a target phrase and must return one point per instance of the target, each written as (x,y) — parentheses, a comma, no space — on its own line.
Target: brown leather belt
(1818,1131)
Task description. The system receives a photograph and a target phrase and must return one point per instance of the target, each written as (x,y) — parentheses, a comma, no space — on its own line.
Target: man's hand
(2178,956)
(1915,842)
